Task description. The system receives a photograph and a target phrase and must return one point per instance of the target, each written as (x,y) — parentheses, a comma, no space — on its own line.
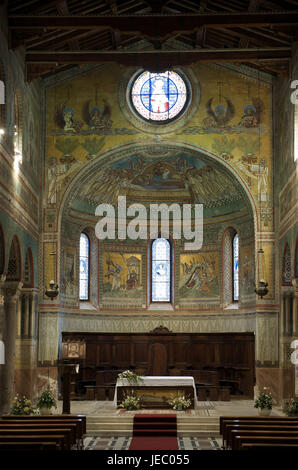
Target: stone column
(2,323)
(12,293)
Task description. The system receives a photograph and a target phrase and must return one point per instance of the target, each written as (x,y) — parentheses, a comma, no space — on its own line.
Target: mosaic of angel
(252,114)
(97,118)
(220,115)
(64,119)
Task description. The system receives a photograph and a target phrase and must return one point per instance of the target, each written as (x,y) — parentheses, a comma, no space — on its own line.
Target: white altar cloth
(154,381)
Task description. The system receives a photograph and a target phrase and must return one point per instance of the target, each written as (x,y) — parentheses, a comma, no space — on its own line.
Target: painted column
(12,293)
(26,319)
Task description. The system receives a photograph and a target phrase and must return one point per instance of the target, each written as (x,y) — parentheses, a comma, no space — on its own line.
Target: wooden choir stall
(221,364)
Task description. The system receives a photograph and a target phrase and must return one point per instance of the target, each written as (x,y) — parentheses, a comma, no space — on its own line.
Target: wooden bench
(58,439)
(261,440)
(228,420)
(256,427)
(213,393)
(267,446)
(29,446)
(43,427)
(46,433)
(60,420)
(259,435)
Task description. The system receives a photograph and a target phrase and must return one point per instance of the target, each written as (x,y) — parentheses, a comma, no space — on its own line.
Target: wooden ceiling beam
(154,26)
(157,59)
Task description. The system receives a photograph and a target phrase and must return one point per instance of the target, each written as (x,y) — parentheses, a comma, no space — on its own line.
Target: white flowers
(179,402)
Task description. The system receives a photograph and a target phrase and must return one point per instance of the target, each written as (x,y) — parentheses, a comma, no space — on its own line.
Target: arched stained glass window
(236,267)
(84,267)
(159,97)
(161,270)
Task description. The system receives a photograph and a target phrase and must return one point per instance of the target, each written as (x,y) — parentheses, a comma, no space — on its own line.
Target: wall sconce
(53,291)
(262,288)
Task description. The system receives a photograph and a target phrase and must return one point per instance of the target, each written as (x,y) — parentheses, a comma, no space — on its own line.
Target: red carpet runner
(154,432)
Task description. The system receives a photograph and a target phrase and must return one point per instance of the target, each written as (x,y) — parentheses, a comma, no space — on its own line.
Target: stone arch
(286,266)
(125,151)
(14,268)
(116,154)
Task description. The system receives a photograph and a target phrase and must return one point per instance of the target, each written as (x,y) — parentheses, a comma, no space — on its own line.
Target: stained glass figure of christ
(161,270)
(159,96)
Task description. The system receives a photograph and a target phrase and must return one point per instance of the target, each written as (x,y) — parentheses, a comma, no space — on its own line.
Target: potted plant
(131,377)
(22,406)
(130,402)
(179,403)
(264,403)
(46,401)
(291,408)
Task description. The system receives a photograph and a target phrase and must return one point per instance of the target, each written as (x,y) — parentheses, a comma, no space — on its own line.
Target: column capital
(12,290)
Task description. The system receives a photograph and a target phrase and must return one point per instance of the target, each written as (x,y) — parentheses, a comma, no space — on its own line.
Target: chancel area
(148,215)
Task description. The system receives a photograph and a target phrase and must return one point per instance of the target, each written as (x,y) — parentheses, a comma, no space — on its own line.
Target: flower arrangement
(130,402)
(264,400)
(22,406)
(130,376)
(179,402)
(291,408)
(46,399)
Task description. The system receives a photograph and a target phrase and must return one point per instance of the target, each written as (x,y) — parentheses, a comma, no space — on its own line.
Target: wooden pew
(58,439)
(32,446)
(43,427)
(28,432)
(267,446)
(256,427)
(259,434)
(43,424)
(81,419)
(225,420)
(267,440)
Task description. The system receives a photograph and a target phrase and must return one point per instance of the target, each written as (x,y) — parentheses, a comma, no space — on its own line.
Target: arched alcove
(14,268)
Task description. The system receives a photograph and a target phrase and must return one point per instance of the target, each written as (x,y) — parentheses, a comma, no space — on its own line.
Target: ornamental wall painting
(122,275)
(247,270)
(198,276)
(68,272)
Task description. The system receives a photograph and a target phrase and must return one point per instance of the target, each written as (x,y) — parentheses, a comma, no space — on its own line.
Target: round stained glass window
(159,97)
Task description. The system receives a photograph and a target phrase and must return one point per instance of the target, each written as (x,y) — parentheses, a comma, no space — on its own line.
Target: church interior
(148,212)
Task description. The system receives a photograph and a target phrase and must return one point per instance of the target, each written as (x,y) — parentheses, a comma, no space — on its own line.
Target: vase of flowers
(46,401)
(291,407)
(22,406)
(264,403)
(131,377)
(180,402)
(130,402)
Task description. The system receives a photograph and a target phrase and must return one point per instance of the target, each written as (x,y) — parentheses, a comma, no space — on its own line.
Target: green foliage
(46,399)
(93,145)
(291,408)
(179,402)
(67,145)
(223,145)
(264,400)
(130,376)
(248,145)
(130,402)
(22,406)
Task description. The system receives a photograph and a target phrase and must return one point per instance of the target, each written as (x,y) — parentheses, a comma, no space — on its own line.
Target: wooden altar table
(154,391)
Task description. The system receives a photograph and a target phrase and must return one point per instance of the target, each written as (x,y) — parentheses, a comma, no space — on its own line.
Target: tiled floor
(123,443)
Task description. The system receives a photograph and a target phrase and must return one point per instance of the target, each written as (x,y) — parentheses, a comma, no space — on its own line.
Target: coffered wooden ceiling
(58,34)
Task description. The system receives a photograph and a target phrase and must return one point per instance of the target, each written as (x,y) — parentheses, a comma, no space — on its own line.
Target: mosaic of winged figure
(97,118)
(220,115)
(64,119)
